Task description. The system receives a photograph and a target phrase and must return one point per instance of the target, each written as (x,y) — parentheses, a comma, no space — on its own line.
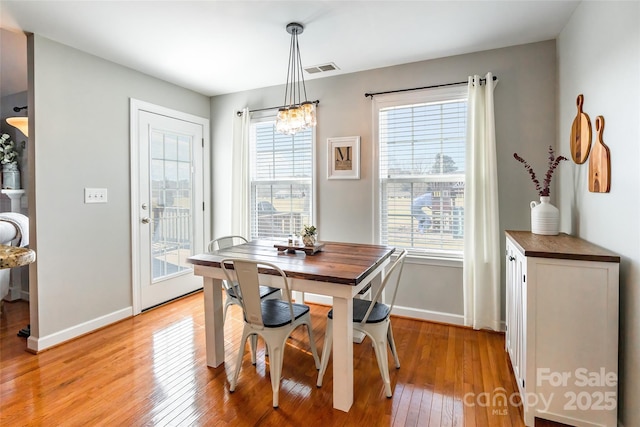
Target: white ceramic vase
(545,218)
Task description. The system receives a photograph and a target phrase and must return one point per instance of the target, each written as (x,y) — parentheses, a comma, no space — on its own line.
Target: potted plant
(309,233)
(9,161)
(545,218)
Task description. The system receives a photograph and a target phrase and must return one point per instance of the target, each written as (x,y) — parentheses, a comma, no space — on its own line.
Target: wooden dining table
(339,270)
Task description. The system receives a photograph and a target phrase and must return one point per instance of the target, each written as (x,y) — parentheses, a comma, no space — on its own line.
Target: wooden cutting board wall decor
(580,143)
(600,162)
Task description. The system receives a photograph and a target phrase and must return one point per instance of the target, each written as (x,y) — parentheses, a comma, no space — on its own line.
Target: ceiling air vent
(321,68)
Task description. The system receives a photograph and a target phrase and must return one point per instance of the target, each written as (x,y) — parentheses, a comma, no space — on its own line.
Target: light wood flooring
(151,370)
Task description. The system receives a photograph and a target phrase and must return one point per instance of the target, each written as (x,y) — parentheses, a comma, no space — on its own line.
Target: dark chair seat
(264,291)
(275,312)
(360,306)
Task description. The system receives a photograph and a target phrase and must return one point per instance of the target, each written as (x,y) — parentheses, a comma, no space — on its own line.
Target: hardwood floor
(151,370)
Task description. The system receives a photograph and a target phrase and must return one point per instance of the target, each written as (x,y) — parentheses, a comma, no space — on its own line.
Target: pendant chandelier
(295,114)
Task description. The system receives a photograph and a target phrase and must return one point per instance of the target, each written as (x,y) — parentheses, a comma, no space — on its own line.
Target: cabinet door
(521,316)
(516,312)
(509,310)
(575,322)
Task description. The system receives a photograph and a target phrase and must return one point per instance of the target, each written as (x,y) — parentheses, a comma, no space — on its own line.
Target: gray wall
(525,123)
(599,56)
(81,139)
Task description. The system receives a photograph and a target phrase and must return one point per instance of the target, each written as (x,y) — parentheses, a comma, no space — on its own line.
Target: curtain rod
(424,87)
(239,113)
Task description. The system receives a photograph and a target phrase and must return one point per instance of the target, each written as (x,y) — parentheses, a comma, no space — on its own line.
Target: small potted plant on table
(309,233)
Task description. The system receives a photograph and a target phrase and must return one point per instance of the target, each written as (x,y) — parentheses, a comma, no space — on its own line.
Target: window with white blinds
(281,173)
(421,151)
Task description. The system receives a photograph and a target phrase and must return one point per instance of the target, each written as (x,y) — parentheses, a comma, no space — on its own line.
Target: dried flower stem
(543,190)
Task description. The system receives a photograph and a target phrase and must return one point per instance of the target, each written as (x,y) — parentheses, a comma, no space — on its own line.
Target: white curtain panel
(240,175)
(481,280)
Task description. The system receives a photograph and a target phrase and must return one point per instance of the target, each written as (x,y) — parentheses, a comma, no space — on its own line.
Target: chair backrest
(246,275)
(392,275)
(225,242)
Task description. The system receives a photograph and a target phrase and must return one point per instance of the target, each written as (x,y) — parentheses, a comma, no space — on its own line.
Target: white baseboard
(433,316)
(14,293)
(318,299)
(42,343)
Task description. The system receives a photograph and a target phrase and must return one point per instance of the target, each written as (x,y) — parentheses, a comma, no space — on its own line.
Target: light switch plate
(95,195)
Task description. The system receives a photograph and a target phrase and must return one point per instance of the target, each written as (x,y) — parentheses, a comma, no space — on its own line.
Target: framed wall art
(344,157)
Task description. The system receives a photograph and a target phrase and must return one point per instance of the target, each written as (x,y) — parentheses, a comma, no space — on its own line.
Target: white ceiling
(217,47)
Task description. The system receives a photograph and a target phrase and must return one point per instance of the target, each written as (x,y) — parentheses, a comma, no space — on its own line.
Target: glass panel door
(171,218)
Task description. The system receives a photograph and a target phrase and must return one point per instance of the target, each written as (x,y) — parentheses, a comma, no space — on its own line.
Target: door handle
(146,220)
(511,258)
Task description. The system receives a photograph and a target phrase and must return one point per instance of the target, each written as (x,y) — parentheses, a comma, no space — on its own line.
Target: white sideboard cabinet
(562,328)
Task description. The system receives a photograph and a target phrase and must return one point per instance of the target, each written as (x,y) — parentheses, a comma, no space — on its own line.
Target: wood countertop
(562,246)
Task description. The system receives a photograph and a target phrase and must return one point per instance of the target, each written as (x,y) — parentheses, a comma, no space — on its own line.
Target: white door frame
(135,107)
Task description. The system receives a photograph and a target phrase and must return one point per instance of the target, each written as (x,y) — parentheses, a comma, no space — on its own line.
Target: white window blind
(281,171)
(421,147)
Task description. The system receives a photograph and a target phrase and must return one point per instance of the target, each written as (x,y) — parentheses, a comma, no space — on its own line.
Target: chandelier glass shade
(297,113)
(22,123)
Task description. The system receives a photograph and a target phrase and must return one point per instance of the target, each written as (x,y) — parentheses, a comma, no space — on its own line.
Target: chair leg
(275,370)
(243,342)
(312,343)
(378,334)
(381,356)
(224,311)
(326,351)
(253,345)
(228,302)
(392,344)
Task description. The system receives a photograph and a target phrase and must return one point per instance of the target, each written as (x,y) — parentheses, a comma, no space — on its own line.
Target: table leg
(213,326)
(342,353)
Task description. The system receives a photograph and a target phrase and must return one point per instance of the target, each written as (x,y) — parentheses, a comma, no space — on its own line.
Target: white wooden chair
(272,319)
(373,319)
(266,292)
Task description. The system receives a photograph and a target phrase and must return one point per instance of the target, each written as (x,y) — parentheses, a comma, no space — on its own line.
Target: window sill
(424,259)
